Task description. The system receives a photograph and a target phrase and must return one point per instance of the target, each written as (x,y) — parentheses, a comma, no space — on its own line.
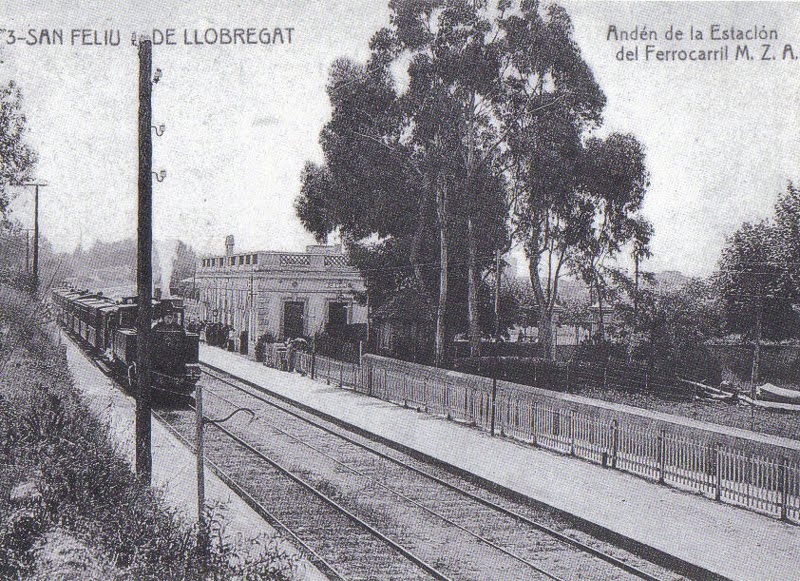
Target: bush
(51,446)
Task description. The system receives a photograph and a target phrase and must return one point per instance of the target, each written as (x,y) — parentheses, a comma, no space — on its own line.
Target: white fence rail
(763,479)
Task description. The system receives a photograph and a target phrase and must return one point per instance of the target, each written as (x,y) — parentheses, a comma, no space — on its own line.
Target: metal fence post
(717,473)
(341,374)
(661,457)
(313,355)
(571,433)
(534,423)
(783,487)
(614,442)
(492,408)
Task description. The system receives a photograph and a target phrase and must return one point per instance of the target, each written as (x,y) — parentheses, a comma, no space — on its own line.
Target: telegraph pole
(144,266)
(36,239)
(35,279)
(497,295)
(496,341)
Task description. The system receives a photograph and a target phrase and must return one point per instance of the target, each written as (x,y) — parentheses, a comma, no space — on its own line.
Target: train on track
(109,328)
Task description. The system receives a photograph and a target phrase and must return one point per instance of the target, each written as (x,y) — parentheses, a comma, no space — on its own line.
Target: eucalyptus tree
(613,184)
(549,100)
(434,140)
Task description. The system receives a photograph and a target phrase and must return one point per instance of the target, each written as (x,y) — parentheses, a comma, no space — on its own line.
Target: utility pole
(35,280)
(36,239)
(202,529)
(497,295)
(144,266)
(497,363)
(754,372)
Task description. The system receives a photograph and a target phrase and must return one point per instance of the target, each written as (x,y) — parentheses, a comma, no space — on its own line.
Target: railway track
(456,529)
(360,510)
(366,547)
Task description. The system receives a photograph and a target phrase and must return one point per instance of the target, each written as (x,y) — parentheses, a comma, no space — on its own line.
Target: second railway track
(448,527)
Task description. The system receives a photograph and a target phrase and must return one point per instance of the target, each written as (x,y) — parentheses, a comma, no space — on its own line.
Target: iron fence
(767,482)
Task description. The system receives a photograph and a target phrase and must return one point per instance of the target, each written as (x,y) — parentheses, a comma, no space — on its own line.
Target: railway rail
(348,540)
(494,529)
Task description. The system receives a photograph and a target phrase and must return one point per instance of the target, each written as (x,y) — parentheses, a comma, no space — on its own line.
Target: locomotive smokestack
(229,245)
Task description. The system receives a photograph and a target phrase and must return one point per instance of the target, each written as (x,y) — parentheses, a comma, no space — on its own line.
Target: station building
(286,294)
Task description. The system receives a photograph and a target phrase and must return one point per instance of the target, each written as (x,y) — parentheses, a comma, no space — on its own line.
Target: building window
(255,259)
(248,259)
(293,319)
(337,319)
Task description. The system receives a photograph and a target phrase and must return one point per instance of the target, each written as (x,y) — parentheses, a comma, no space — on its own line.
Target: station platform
(712,539)
(174,465)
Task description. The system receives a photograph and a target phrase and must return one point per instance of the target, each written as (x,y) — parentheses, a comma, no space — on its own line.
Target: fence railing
(757,474)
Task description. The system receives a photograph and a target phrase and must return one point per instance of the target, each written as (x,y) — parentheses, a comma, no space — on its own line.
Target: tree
(550,100)
(17,159)
(756,283)
(758,275)
(418,163)
(614,181)
(671,328)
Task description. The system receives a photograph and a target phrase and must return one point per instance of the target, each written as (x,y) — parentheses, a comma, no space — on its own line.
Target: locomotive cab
(175,352)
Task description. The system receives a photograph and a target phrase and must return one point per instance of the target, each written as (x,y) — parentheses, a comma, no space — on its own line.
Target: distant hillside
(671,279)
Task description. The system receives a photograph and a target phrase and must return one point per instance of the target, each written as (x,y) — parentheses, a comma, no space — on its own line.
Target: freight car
(109,328)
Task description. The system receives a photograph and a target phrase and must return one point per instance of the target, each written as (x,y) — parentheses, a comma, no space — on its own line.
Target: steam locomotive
(109,327)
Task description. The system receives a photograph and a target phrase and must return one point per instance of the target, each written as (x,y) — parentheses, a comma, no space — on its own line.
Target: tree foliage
(17,159)
(759,272)
(575,197)
(669,329)
(488,124)
(417,166)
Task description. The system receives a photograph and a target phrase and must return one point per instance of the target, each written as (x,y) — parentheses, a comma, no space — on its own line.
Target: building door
(293,312)
(337,318)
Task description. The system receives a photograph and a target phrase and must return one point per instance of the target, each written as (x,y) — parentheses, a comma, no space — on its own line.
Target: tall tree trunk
(472,293)
(545,311)
(754,372)
(416,243)
(441,308)
(601,330)
(472,286)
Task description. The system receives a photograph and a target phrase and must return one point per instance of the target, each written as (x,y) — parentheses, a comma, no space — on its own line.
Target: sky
(241,121)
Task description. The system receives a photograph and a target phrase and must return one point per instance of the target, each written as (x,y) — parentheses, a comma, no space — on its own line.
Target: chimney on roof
(229,245)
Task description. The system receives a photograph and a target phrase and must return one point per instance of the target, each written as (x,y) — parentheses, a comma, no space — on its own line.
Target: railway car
(109,328)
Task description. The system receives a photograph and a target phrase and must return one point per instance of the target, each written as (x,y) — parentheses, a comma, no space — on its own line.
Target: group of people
(283,354)
(214,334)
